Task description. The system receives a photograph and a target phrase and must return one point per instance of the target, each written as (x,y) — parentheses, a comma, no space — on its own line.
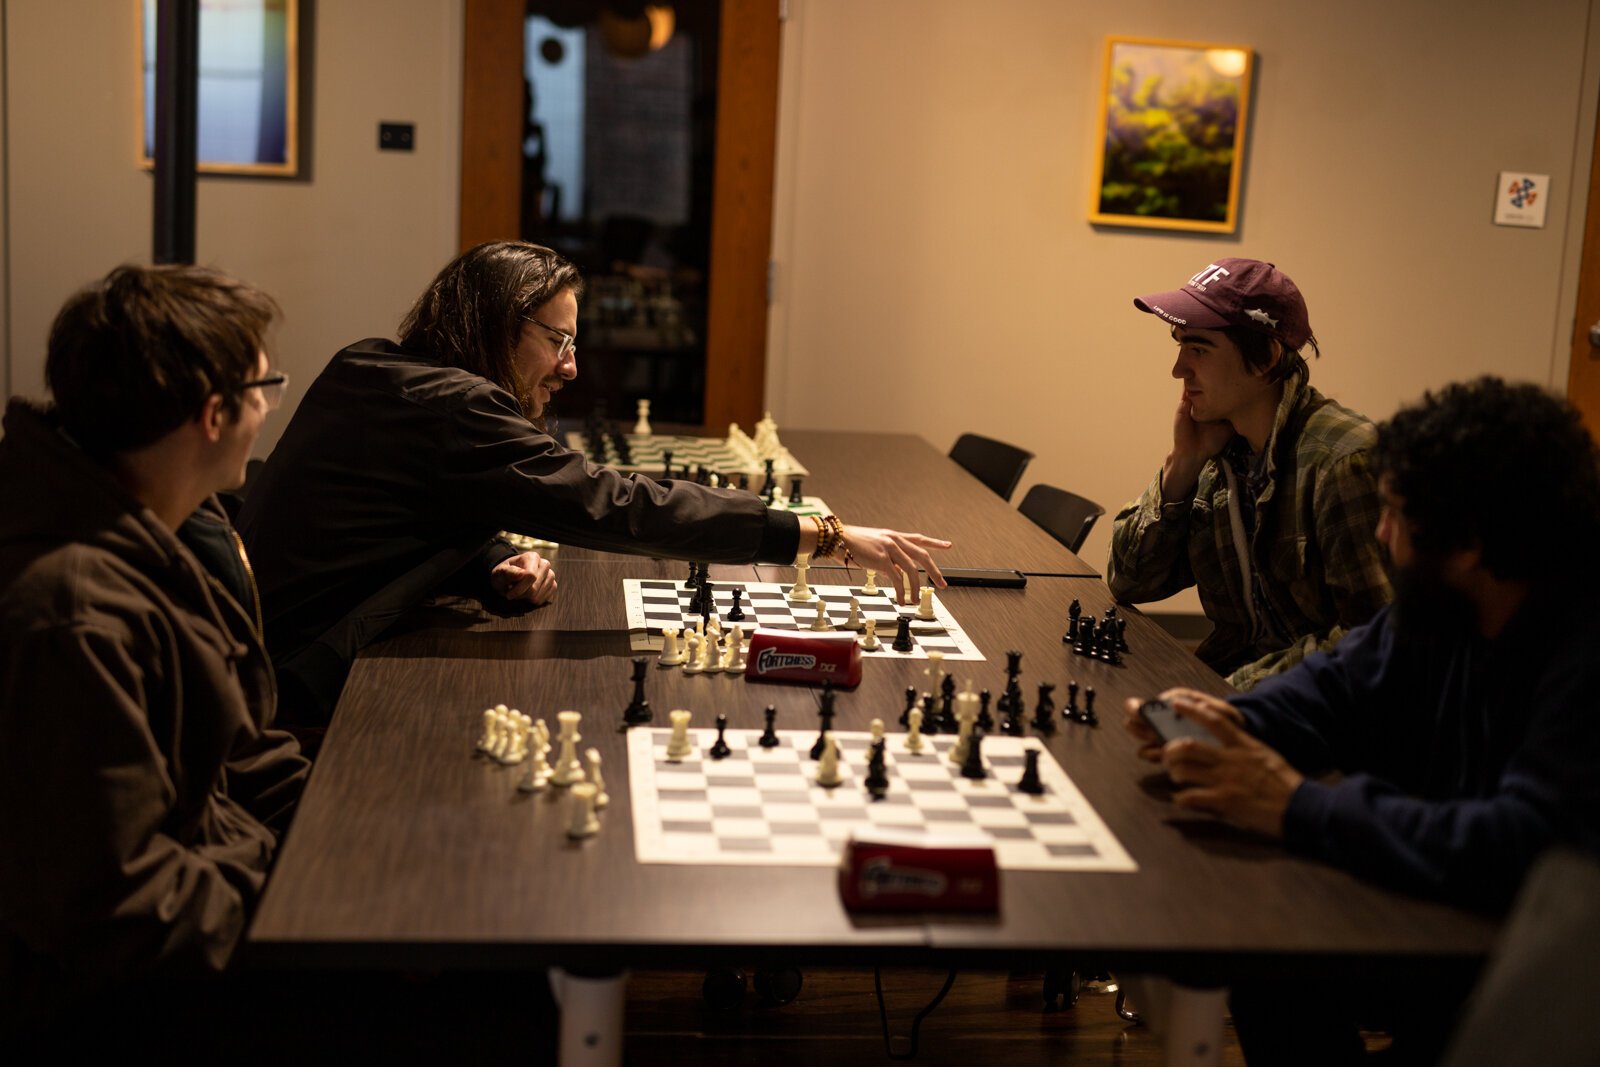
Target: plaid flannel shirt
(1318,564)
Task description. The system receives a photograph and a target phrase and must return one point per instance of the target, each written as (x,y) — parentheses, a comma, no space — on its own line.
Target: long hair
(472,314)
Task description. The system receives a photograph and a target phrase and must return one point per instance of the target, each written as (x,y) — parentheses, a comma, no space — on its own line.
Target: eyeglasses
(272,388)
(569,343)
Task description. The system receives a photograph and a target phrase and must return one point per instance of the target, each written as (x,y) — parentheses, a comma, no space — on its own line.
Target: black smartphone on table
(991,577)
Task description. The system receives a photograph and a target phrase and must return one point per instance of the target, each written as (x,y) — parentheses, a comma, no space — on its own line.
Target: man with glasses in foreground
(404,460)
(142,787)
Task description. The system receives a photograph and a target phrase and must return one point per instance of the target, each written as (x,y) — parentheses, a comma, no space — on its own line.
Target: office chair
(994,463)
(1065,516)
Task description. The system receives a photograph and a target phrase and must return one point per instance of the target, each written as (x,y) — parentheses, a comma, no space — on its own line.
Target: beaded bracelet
(830,535)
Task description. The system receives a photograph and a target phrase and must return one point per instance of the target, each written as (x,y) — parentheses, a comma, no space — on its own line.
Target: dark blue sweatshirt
(1462,759)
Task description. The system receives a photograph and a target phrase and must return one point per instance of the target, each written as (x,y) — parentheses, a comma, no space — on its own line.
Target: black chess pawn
(744,481)
(769,736)
(947,703)
(902,635)
(638,711)
(1044,713)
(720,750)
(796,498)
(985,720)
(1084,646)
(736,613)
(1070,712)
(911,702)
(877,780)
(972,766)
(1122,636)
(1089,717)
(930,718)
(666,464)
(1030,782)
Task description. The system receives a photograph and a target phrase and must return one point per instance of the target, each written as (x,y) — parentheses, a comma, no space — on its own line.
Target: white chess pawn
(678,746)
(710,655)
(567,768)
(935,672)
(502,732)
(821,621)
(871,585)
(730,652)
(925,609)
(800,590)
(642,424)
(691,663)
(582,820)
(966,712)
(671,651)
(877,730)
(736,639)
(869,640)
(538,775)
(853,622)
(914,731)
(521,725)
(601,798)
(486,738)
(828,765)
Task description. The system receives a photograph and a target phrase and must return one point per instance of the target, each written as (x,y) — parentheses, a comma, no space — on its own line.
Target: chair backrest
(1065,516)
(994,463)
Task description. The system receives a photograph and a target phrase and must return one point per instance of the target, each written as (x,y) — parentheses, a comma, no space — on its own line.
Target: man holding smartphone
(1267,501)
(1444,746)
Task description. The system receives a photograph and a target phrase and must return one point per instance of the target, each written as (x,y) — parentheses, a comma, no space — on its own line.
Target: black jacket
(395,472)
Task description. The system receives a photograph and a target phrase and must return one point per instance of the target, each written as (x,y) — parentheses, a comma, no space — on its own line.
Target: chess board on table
(654,604)
(648,453)
(762,806)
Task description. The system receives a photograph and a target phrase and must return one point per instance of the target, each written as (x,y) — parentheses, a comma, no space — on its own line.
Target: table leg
(1194,1026)
(590,1008)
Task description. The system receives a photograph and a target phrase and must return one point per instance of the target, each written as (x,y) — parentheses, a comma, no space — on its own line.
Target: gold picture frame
(1173,116)
(248,120)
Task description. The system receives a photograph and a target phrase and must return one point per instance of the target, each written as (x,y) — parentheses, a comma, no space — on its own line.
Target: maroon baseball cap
(1236,292)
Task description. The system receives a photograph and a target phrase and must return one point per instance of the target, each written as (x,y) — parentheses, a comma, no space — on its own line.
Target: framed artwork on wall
(1172,131)
(249,103)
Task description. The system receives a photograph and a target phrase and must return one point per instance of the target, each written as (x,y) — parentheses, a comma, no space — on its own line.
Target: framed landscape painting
(1172,128)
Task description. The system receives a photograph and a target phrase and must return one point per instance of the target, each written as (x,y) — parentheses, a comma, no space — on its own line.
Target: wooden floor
(988,1017)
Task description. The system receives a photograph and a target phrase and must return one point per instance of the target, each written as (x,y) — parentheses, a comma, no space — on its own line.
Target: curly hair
(1506,468)
(472,314)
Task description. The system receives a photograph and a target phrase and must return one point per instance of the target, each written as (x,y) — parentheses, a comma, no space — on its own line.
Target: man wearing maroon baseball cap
(1268,500)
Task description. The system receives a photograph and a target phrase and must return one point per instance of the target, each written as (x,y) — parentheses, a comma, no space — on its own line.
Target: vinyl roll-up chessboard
(656,603)
(762,806)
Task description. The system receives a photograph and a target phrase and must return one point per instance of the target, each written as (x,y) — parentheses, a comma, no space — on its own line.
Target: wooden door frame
(1583,366)
(742,182)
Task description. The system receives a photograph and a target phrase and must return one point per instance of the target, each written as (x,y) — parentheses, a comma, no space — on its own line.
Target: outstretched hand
(1239,780)
(528,576)
(896,556)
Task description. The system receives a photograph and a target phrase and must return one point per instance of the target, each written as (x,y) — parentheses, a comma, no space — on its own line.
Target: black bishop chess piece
(796,498)
(720,750)
(769,736)
(1030,782)
(1044,713)
(736,613)
(902,635)
(1074,610)
(638,711)
(972,766)
(825,715)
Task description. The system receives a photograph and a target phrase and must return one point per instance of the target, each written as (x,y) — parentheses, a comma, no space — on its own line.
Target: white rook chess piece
(568,769)
(671,651)
(869,640)
(642,424)
(925,609)
(828,765)
(583,821)
(678,746)
(800,590)
(821,621)
(914,730)
(871,584)
(601,798)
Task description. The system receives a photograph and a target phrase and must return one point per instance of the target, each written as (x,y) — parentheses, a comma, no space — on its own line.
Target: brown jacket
(141,791)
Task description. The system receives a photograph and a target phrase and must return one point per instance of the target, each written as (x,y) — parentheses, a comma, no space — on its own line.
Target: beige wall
(936,273)
(343,253)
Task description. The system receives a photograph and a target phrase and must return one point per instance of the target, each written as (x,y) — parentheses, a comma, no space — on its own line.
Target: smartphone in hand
(1161,717)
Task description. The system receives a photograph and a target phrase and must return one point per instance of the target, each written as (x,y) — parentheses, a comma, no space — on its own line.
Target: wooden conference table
(408,852)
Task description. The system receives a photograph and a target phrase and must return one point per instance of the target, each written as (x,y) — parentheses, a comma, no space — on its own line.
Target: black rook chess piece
(638,711)
(902,635)
(1030,782)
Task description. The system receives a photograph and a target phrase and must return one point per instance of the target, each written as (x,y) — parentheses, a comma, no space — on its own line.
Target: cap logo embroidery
(1262,317)
(1207,276)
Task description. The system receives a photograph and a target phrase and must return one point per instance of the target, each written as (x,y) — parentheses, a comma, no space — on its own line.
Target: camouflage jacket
(1317,558)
